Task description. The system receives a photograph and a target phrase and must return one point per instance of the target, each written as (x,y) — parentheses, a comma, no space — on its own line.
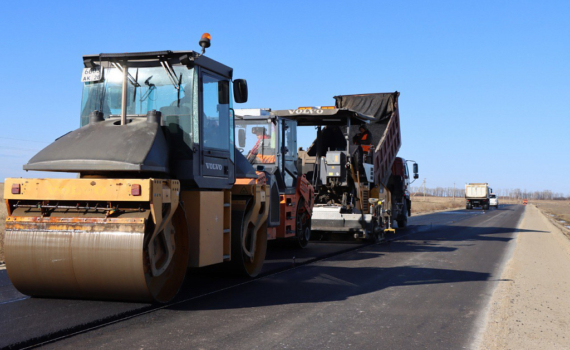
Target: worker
(265,156)
(363,138)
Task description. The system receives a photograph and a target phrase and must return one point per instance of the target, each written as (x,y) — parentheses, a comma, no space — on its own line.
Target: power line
(11,138)
(19,148)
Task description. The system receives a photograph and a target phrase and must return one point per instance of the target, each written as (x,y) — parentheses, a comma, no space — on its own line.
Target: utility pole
(423,185)
(454,191)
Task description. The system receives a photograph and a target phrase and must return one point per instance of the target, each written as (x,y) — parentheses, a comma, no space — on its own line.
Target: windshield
(148,88)
(260,141)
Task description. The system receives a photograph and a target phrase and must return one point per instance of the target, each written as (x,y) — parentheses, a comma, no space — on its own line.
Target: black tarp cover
(378,106)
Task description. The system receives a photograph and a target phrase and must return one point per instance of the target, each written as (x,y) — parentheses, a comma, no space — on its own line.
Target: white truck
(494,201)
(477,195)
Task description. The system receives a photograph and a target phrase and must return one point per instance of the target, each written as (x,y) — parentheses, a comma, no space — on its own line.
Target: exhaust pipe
(95,117)
(124,103)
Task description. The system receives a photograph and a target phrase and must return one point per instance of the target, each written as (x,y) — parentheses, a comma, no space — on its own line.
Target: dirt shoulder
(530,308)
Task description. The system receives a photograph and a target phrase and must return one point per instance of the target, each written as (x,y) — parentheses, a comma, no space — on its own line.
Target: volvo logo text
(214,166)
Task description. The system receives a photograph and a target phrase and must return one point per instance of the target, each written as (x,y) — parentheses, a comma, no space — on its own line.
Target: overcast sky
(485,86)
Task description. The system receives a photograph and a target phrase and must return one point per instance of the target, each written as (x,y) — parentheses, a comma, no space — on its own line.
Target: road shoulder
(530,308)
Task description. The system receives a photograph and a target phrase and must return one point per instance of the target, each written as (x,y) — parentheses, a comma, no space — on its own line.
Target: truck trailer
(477,195)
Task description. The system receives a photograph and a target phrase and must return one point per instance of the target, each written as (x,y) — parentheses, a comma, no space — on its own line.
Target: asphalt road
(426,289)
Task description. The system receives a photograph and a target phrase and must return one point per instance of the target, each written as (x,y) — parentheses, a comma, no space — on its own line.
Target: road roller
(159,187)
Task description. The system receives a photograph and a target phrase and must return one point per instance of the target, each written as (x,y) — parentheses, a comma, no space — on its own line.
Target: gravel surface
(530,309)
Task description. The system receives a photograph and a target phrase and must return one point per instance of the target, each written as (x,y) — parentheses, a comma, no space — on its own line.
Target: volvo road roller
(159,188)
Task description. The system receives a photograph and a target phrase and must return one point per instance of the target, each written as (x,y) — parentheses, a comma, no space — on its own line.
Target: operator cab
(136,107)
(325,160)
(269,143)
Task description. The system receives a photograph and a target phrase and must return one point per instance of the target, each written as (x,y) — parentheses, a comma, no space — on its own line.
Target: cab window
(290,151)
(216,112)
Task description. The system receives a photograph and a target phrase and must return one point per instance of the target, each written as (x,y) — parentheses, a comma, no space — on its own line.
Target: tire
(240,264)
(485,206)
(403,224)
(402,219)
(376,237)
(303,225)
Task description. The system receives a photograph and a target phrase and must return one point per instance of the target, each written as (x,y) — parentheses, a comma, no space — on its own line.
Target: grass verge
(557,211)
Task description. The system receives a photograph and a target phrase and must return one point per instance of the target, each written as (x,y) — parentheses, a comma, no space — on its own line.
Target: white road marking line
(13,301)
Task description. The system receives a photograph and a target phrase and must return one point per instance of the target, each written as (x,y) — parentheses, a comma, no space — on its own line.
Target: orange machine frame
(288,206)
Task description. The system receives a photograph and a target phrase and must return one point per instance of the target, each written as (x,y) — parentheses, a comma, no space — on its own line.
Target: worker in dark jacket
(363,138)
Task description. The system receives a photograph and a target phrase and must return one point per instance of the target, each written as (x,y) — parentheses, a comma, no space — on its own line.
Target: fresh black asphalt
(425,289)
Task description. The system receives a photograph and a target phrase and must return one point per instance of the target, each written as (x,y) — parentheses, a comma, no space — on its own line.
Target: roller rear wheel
(166,285)
(248,247)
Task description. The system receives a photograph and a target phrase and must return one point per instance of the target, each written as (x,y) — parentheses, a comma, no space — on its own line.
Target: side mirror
(223,92)
(415,168)
(240,90)
(241,138)
(416,176)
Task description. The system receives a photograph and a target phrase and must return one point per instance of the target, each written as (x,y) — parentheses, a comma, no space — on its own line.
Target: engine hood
(139,145)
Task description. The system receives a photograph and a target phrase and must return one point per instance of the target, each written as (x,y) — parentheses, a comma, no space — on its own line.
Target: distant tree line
(437,191)
(516,193)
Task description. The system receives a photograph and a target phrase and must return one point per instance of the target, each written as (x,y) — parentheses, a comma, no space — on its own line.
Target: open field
(503,200)
(2,219)
(429,204)
(557,211)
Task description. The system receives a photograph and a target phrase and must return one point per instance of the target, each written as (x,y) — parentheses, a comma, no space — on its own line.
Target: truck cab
(494,200)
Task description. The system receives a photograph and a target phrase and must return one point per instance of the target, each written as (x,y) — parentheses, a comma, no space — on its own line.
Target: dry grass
(509,201)
(431,204)
(3,214)
(558,211)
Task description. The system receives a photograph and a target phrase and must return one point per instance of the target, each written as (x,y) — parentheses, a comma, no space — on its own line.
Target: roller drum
(59,257)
